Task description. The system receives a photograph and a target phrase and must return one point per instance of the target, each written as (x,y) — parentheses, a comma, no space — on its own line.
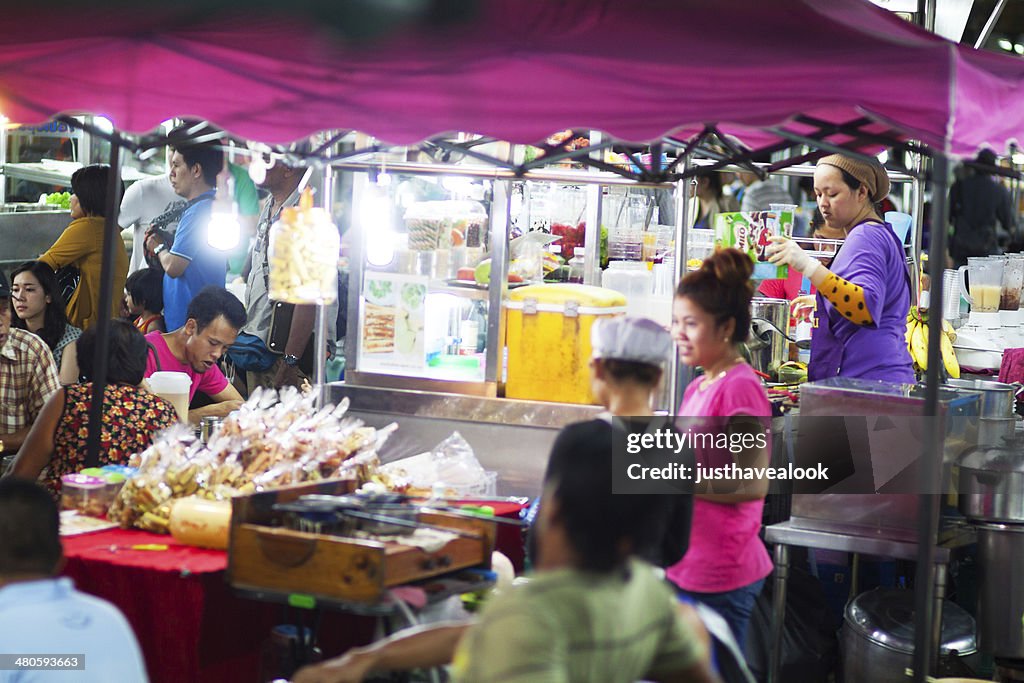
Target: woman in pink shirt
(726,563)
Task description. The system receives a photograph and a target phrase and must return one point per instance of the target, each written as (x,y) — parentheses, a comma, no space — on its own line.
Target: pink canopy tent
(518,70)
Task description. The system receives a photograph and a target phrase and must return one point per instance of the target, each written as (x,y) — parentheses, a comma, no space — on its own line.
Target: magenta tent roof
(518,70)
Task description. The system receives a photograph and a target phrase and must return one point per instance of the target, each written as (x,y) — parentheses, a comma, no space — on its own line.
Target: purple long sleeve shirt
(871,257)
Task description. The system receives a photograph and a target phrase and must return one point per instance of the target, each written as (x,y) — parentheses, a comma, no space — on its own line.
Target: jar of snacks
(85,494)
(303,254)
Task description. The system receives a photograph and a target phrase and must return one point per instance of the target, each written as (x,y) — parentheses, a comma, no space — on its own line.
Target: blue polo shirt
(50,617)
(207,265)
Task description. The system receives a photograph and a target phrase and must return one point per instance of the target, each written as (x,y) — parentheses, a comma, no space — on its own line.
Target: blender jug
(1013,279)
(986,275)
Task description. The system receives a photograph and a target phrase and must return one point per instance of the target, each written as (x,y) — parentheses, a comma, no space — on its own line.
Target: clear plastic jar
(303,255)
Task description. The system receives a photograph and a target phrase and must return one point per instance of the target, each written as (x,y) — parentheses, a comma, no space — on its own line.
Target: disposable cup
(174,387)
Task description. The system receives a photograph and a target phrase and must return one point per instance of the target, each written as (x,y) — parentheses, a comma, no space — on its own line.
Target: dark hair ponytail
(722,287)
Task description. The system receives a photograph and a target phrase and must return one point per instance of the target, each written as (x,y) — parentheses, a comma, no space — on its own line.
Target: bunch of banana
(917,342)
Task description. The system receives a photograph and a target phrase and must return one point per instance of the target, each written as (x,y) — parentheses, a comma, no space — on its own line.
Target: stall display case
(435,252)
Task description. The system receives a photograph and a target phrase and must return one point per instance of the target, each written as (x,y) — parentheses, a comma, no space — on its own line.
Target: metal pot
(997,399)
(991,483)
(877,642)
(1000,603)
(766,345)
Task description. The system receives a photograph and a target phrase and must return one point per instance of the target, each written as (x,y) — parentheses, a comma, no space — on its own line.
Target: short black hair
(146,288)
(209,157)
(127,353)
(213,302)
(89,184)
(29,529)
(600,525)
(644,374)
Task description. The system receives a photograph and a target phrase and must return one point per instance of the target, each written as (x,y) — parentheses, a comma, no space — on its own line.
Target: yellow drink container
(547,333)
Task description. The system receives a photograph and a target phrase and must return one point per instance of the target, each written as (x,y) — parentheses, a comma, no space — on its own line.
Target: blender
(979,344)
(1009,300)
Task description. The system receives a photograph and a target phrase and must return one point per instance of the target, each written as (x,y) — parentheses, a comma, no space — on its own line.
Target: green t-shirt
(568,626)
(246,195)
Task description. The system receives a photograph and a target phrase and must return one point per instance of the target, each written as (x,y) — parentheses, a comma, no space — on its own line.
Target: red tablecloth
(190,625)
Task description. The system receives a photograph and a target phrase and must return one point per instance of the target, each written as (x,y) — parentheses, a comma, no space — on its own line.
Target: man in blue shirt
(43,616)
(189,262)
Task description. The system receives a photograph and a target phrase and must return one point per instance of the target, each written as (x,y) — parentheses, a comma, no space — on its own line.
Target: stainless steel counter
(510,437)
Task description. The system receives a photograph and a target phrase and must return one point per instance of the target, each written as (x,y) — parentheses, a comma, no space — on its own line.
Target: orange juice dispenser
(548,339)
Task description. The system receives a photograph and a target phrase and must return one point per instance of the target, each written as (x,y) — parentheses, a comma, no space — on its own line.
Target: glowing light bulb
(223,231)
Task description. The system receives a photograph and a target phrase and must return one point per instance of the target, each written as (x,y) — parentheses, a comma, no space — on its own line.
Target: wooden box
(265,556)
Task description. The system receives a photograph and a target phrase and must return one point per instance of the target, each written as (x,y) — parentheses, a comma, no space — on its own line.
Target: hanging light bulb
(224,230)
(375,221)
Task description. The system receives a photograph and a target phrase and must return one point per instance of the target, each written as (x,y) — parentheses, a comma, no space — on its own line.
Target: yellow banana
(919,346)
(948,330)
(949,358)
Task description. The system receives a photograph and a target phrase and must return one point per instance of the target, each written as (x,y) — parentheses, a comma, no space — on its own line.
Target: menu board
(750,231)
(392,332)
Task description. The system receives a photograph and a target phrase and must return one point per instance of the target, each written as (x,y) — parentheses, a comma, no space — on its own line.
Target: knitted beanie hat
(871,174)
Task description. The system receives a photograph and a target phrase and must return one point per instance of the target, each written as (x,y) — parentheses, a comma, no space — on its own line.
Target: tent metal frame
(856,138)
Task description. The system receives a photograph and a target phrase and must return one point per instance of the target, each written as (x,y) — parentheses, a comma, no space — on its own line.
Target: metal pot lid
(886,617)
(1007,457)
(980,385)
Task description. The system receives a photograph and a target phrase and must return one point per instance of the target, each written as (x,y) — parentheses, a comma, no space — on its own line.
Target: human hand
(802,307)
(784,251)
(287,375)
(351,667)
(152,241)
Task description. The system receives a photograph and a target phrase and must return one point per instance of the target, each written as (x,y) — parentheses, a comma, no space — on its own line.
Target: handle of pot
(774,327)
(963,284)
(1017,388)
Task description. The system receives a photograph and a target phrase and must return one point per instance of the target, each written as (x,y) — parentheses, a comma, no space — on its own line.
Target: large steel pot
(991,483)
(877,642)
(766,345)
(1000,600)
(997,399)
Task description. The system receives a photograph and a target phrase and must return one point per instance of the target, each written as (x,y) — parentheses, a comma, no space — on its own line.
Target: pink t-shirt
(211,382)
(725,551)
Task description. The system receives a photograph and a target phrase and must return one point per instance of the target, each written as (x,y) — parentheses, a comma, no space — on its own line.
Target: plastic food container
(113,481)
(85,494)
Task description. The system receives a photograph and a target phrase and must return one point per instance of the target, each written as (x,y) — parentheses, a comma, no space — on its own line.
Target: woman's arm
(34,455)
(69,364)
(750,450)
(848,298)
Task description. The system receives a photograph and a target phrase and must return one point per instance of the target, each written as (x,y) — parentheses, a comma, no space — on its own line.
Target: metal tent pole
(680,376)
(926,619)
(111,242)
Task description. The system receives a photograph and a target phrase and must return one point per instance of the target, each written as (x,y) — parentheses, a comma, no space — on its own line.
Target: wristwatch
(160,248)
(291,359)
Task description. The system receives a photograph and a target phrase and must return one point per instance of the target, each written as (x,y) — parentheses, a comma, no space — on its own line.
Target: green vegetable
(380,290)
(412,295)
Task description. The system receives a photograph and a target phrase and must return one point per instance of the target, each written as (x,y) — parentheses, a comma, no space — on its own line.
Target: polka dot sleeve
(848,299)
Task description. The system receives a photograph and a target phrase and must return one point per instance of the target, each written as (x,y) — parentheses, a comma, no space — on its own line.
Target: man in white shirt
(42,615)
(142,202)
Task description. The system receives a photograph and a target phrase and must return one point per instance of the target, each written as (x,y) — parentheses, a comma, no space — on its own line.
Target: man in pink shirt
(212,323)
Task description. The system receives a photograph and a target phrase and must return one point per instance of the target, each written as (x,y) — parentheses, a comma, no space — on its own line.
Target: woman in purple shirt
(864,295)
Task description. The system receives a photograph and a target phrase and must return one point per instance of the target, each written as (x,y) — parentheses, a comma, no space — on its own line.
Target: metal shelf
(49,174)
